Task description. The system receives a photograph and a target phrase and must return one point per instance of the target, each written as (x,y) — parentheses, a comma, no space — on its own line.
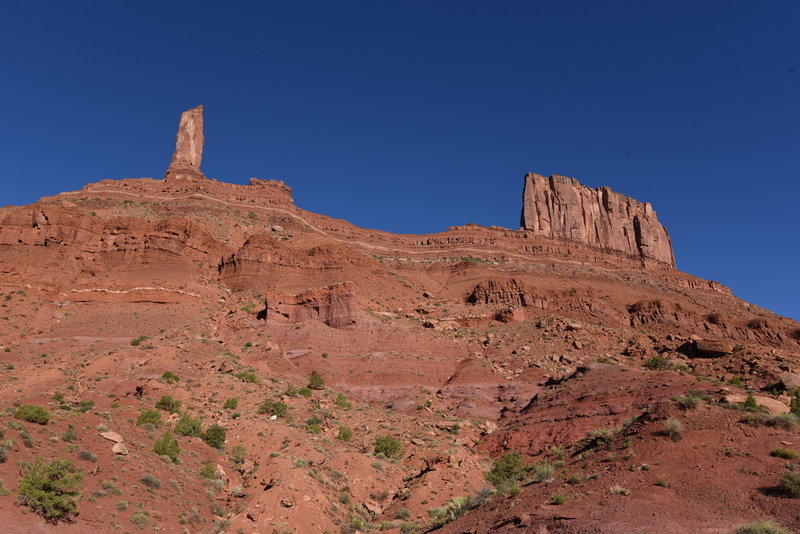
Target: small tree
(167,446)
(50,489)
(390,446)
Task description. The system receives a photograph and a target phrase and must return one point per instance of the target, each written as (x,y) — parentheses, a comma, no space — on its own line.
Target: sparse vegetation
(343,403)
(454,509)
(231,403)
(32,414)
(273,407)
(238,454)
(135,342)
(559,499)
(657,363)
(390,446)
(208,471)
(691,400)
(50,489)
(150,481)
(761,527)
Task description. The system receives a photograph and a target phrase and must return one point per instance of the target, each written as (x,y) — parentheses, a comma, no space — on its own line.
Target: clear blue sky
(411,116)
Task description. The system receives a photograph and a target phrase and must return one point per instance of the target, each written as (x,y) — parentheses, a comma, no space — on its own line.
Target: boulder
(120,448)
(790,380)
(711,349)
(112,436)
(773,406)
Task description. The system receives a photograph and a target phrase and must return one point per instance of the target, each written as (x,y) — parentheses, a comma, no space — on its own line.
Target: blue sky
(412,116)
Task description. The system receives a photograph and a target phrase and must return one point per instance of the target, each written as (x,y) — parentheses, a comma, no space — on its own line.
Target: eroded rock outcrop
(185,164)
(561,208)
(336,306)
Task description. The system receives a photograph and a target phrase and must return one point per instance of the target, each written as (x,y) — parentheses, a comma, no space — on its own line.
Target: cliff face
(562,208)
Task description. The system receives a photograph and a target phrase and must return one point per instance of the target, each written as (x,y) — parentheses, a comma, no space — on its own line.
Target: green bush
(790,484)
(316,381)
(390,446)
(291,391)
(170,377)
(32,414)
(188,426)
(50,489)
(232,403)
(305,392)
(247,377)
(314,428)
(451,511)
(761,527)
(786,454)
(750,404)
(215,436)
(135,342)
(691,400)
(541,472)
(84,406)
(167,446)
(345,434)
(794,404)
(238,454)
(167,403)
(273,407)
(559,499)
(149,418)
(506,472)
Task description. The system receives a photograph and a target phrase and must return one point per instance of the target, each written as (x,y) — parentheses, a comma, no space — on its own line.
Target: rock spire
(185,164)
(562,208)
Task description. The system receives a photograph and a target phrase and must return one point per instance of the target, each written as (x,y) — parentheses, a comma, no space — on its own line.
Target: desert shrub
(559,499)
(691,400)
(346,434)
(673,429)
(141,519)
(232,403)
(150,481)
(657,363)
(149,418)
(170,377)
(273,407)
(314,428)
(291,391)
(451,511)
(87,456)
(786,454)
(32,414)
(507,471)
(50,489)
(208,471)
(238,454)
(247,376)
(305,392)
(735,381)
(342,402)
(135,342)
(598,438)
(390,446)
(786,421)
(750,403)
(188,426)
(540,472)
(403,513)
(215,436)
(761,527)
(167,446)
(167,403)
(84,406)
(618,490)
(69,434)
(790,484)
(316,381)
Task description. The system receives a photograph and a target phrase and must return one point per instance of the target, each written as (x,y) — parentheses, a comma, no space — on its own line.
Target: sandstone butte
(573,341)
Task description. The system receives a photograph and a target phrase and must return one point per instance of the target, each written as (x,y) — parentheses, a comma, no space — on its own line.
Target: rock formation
(185,164)
(561,208)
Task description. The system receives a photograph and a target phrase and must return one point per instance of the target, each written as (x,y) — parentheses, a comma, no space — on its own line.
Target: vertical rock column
(185,164)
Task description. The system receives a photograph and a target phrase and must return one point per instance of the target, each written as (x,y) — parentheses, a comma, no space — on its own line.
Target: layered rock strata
(185,164)
(562,208)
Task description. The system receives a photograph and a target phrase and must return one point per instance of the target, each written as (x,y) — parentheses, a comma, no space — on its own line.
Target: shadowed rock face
(188,147)
(561,208)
